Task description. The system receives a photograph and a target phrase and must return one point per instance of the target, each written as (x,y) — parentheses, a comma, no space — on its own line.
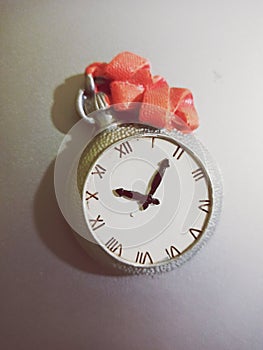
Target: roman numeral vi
(172,252)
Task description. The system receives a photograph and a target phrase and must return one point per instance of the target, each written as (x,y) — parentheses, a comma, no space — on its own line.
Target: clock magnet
(148,193)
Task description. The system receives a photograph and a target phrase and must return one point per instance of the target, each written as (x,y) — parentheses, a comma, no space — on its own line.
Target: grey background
(53,296)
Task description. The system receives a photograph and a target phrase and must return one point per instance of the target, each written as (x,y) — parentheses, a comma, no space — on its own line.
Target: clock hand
(157,176)
(155,181)
(137,196)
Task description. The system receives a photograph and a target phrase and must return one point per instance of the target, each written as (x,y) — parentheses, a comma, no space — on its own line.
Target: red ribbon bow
(127,78)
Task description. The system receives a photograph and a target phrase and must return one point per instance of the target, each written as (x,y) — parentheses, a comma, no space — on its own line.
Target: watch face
(147,200)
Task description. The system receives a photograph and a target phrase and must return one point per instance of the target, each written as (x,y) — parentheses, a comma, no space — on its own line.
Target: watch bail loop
(88,100)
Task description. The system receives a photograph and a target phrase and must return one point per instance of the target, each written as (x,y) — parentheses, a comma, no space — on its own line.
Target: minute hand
(157,177)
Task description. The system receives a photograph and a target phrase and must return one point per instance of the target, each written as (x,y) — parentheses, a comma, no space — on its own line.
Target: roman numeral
(153,139)
(97,223)
(205,205)
(114,246)
(195,232)
(141,258)
(99,170)
(125,148)
(178,152)
(172,252)
(91,195)
(198,174)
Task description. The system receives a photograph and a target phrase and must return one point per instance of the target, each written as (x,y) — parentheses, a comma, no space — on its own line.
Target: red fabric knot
(127,78)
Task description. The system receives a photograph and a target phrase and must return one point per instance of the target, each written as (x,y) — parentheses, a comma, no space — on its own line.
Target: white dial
(147,200)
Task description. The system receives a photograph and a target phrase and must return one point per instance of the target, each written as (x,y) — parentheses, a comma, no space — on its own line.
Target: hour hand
(134,195)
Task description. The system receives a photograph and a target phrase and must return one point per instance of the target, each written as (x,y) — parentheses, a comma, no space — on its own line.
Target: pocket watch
(148,198)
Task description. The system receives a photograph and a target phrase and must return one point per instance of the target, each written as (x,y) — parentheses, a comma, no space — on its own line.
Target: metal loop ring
(89,101)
